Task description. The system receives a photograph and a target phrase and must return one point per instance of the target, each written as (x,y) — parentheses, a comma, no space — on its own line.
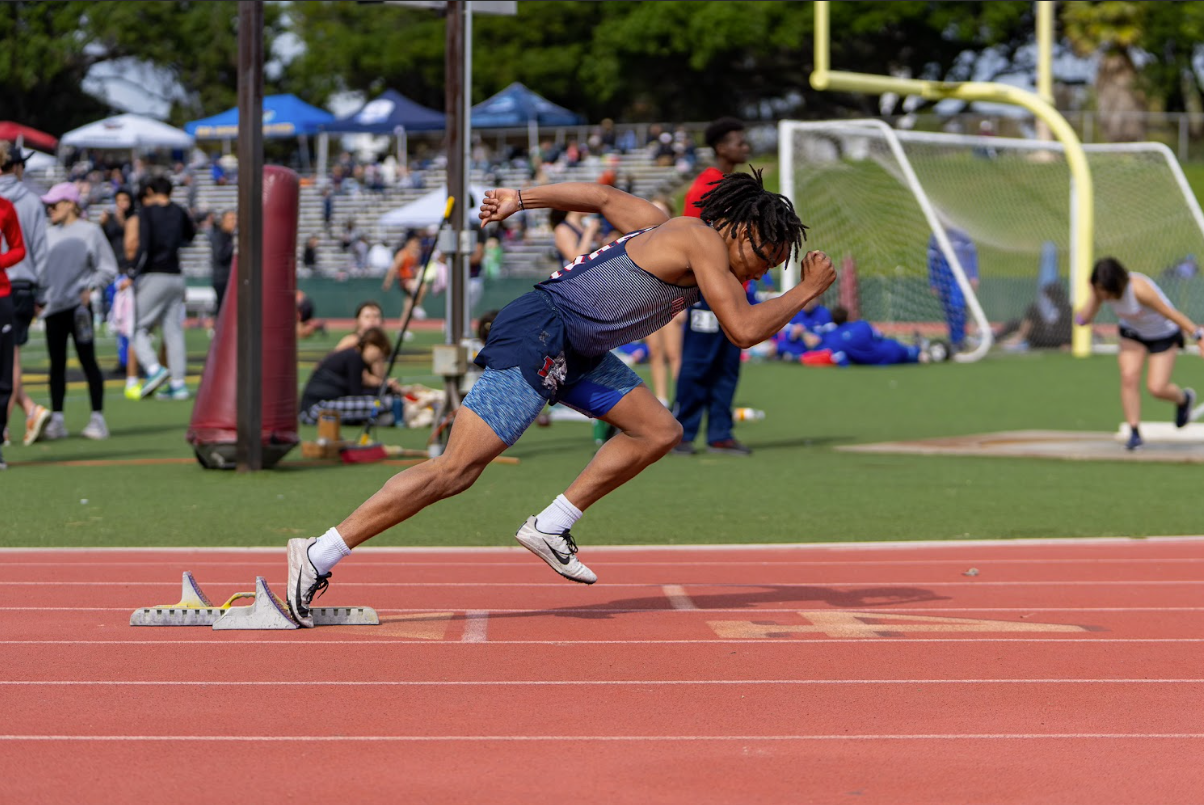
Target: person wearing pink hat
(79,260)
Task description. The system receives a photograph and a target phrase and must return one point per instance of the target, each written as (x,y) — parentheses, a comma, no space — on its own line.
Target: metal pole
(456,87)
(250,236)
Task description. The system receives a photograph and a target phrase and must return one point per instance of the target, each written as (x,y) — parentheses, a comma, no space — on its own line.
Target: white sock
(559,517)
(97,416)
(56,417)
(327,551)
(151,371)
(131,382)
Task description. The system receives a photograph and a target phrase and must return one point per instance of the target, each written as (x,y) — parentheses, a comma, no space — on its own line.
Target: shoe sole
(298,552)
(151,385)
(550,562)
(39,428)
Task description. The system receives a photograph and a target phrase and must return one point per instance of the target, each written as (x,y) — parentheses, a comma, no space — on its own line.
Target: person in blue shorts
(553,345)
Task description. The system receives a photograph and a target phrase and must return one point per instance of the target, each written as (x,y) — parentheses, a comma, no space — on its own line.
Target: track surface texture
(1058,671)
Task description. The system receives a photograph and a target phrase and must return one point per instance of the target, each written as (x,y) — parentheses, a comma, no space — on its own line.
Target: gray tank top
(606,300)
(1149,324)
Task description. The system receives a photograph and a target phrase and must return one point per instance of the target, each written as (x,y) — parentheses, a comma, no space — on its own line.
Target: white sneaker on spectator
(96,427)
(55,429)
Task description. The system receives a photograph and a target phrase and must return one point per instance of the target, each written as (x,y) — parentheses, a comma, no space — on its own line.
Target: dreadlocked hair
(741,198)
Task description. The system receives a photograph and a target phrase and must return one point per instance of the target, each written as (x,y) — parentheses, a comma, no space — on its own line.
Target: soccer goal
(882,201)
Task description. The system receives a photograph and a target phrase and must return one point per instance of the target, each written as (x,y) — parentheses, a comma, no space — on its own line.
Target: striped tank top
(606,300)
(1147,323)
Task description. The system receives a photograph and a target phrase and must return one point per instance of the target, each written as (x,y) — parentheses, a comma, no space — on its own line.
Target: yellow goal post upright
(1081,189)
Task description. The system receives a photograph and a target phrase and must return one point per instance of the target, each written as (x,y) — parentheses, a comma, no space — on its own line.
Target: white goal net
(874,196)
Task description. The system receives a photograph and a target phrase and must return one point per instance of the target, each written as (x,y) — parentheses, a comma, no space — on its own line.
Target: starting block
(266,611)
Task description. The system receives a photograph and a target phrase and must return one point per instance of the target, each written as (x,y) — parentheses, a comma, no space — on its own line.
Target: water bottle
(83,324)
(748,415)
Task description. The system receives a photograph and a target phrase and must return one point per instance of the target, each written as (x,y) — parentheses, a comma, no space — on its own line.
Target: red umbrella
(33,138)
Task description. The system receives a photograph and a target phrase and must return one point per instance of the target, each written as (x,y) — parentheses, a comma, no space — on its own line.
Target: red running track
(1022,672)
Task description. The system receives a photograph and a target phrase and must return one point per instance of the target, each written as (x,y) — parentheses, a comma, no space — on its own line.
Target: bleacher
(530,257)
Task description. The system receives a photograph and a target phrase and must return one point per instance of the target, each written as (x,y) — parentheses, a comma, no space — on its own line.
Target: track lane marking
(301,739)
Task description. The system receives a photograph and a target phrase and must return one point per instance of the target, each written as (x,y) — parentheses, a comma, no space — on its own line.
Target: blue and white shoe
(153,382)
(558,550)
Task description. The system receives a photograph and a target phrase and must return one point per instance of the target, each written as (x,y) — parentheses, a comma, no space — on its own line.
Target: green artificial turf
(794,488)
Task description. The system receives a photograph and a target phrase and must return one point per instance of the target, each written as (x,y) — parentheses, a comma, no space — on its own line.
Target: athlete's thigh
(602,388)
(505,402)
(1162,364)
(1130,358)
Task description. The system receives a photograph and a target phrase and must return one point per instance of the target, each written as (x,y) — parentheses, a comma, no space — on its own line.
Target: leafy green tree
(1112,30)
(49,47)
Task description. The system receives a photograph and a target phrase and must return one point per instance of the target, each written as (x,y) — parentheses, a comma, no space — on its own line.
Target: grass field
(795,487)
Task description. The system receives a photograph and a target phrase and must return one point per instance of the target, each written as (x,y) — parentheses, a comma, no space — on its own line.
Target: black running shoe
(1183,410)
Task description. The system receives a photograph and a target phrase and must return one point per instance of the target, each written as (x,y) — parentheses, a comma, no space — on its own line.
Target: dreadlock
(741,198)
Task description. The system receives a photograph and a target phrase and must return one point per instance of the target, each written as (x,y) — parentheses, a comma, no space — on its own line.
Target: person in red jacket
(13,253)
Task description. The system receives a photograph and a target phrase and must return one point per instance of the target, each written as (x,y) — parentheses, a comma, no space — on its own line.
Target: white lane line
(988,561)
(1013,544)
(678,598)
(596,682)
(476,623)
(886,607)
(290,639)
(645,585)
(951,736)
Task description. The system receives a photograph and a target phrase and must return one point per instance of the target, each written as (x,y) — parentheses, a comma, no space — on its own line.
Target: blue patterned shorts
(508,403)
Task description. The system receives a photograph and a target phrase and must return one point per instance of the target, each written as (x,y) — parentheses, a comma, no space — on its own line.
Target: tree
(49,47)
(1111,30)
(664,60)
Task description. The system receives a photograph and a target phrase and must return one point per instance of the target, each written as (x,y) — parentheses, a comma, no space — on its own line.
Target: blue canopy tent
(518,106)
(283,116)
(385,114)
(390,113)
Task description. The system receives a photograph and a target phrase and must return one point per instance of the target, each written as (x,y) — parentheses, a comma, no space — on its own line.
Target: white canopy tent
(427,210)
(129,132)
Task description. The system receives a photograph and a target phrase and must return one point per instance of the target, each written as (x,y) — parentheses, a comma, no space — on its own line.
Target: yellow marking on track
(410,626)
(877,624)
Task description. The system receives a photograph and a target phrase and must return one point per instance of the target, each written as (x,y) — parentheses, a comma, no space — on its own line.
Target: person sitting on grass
(307,325)
(367,316)
(554,344)
(343,381)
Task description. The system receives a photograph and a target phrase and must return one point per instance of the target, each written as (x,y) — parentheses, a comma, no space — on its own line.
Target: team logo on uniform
(554,371)
(677,306)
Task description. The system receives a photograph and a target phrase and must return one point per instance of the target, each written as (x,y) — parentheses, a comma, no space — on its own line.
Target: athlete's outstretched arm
(625,212)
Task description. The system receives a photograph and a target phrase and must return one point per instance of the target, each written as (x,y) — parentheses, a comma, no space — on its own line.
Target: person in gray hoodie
(79,261)
(24,277)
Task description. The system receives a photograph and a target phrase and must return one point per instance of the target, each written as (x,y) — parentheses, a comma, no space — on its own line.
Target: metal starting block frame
(267,611)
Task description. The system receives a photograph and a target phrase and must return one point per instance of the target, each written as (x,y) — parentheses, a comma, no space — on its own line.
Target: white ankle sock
(327,551)
(131,382)
(56,417)
(559,517)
